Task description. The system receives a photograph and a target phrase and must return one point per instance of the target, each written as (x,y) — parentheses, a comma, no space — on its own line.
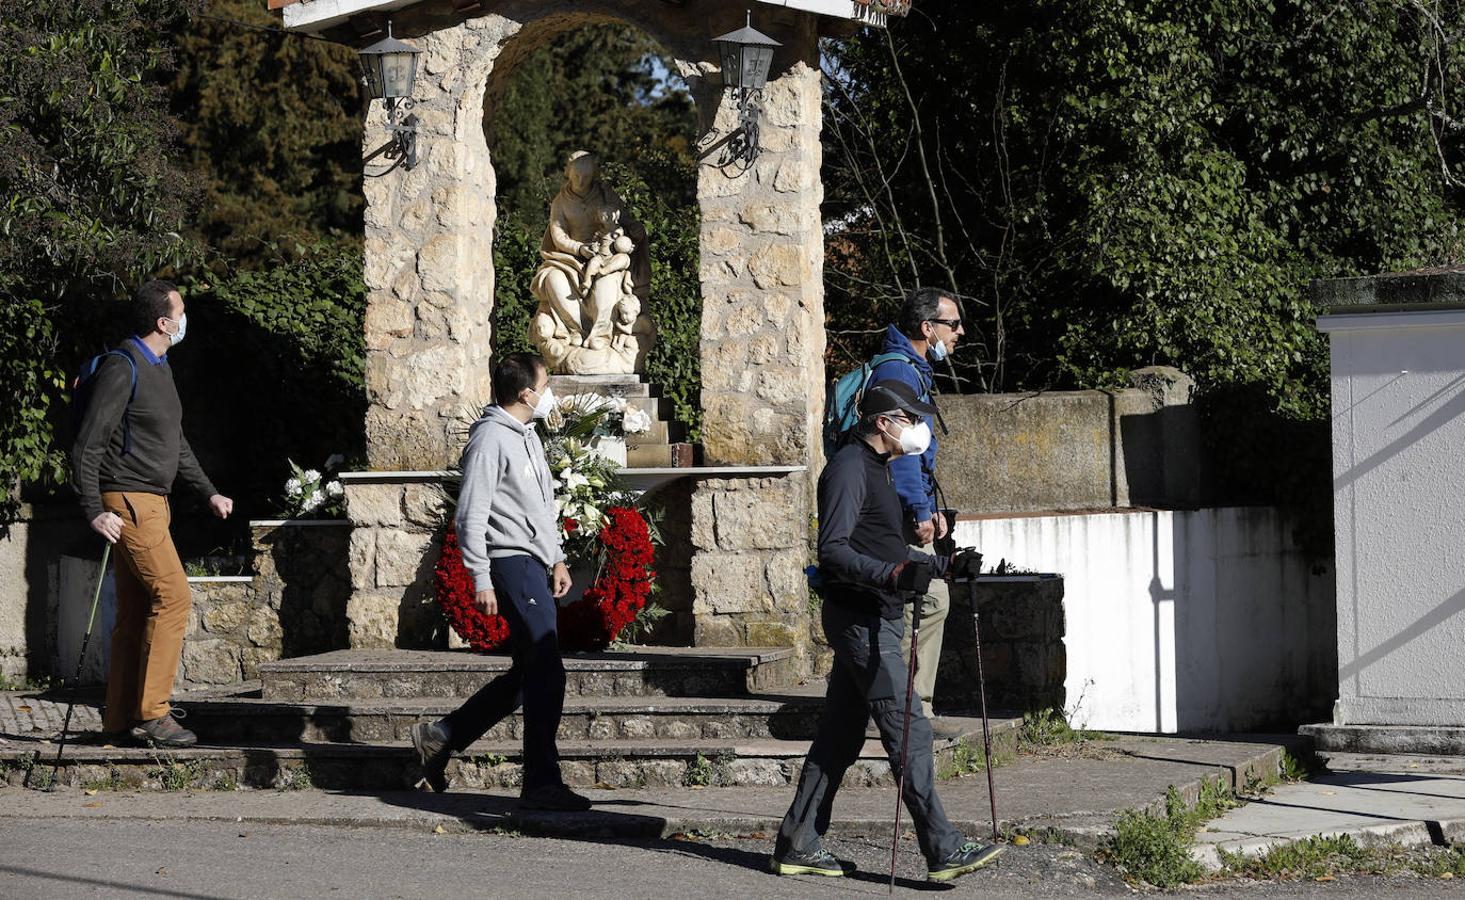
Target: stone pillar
(396,539)
(762,362)
(429,260)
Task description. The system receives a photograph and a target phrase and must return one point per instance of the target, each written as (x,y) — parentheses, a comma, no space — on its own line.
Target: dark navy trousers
(536,680)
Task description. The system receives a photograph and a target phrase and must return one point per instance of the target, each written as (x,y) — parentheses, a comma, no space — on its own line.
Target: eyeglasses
(953,324)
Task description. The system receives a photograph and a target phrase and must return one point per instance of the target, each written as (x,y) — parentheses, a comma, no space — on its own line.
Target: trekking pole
(905,734)
(986,731)
(80,663)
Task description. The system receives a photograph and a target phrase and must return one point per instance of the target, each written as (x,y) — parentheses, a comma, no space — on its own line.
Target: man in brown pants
(129,449)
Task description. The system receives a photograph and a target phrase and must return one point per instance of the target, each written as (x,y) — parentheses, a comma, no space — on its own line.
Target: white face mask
(545,404)
(938,350)
(915,439)
(176,337)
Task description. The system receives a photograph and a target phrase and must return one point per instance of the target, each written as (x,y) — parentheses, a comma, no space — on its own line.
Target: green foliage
(967,757)
(1156,848)
(274,370)
(1307,858)
(1119,184)
(1049,728)
(271,125)
(1292,769)
(603,90)
(91,201)
(699,772)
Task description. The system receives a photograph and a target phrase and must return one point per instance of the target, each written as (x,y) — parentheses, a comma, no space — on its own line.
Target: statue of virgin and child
(593,283)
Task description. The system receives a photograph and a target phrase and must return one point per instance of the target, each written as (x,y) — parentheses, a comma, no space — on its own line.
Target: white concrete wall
(1399,506)
(1207,620)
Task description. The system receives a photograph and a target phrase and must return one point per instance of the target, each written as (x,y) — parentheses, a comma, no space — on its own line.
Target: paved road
(46,858)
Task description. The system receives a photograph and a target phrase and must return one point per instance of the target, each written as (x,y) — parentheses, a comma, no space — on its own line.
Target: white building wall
(1206,620)
(1398,383)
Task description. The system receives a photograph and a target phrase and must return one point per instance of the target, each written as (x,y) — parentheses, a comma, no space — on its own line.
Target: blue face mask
(938,350)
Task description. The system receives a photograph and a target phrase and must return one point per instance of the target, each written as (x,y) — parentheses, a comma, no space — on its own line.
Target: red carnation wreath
(623,585)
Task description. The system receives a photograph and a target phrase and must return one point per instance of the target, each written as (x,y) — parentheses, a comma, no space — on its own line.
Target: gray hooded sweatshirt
(506,505)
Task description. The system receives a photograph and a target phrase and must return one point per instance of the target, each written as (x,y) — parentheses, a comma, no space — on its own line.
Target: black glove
(965,564)
(914,577)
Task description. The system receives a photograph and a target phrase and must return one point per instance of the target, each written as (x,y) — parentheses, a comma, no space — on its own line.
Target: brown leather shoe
(164,731)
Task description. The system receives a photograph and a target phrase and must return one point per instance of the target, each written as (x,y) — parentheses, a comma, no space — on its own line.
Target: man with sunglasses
(928,332)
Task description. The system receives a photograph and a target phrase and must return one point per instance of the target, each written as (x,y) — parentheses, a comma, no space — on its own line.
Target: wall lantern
(747,57)
(391,72)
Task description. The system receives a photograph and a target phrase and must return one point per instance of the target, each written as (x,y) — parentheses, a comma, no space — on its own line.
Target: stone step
(1425,740)
(455,674)
(610,719)
(393,766)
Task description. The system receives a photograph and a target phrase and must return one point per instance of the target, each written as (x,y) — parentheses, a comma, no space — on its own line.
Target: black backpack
(85,383)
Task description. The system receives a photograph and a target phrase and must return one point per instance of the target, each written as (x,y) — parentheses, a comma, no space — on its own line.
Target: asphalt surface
(46,858)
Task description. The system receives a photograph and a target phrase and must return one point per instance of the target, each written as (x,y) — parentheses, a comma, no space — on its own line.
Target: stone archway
(429,274)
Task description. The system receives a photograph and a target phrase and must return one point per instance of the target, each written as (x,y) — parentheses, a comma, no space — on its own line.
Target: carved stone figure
(592,286)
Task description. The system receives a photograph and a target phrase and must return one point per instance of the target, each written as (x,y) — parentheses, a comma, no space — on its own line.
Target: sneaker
(553,797)
(971,857)
(430,740)
(819,862)
(164,731)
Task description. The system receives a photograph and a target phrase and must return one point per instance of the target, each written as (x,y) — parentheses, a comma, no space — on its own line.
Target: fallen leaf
(162,870)
(1447,874)
(25,709)
(439,830)
(1329,793)
(1021,841)
(92,792)
(602,786)
(1325,878)
(93,805)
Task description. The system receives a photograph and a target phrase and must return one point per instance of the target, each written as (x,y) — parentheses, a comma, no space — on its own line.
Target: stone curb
(1082,830)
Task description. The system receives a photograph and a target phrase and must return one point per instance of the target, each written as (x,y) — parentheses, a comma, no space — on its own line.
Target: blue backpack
(85,382)
(842,402)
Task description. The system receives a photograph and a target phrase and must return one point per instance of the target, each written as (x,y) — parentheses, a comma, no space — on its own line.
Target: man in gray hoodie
(509,537)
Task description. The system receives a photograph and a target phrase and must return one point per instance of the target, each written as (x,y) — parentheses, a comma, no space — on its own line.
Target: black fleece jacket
(159,453)
(862,532)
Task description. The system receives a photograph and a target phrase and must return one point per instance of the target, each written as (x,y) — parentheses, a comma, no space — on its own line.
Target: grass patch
(1293,770)
(968,758)
(1156,848)
(113,781)
(178,776)
(1327,857)
(1049,728)
(297,779)
(488,760)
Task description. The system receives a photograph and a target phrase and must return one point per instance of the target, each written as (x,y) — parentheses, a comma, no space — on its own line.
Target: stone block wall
(1066,450)
(751,537)
(396,537)
(294,605)
(1023,657)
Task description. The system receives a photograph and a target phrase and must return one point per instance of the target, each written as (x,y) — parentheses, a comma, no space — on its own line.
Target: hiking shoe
(164,731)
(554,797)
(971,857)
(430,740)
(819,862)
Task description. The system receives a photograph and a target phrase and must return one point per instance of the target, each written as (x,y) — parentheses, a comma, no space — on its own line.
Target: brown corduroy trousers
(153,602)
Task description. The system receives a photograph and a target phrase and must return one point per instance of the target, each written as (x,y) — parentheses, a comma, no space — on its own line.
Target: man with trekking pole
(129,450)
(868,574)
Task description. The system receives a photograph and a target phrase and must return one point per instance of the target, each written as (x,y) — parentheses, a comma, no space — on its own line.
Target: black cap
(891,395)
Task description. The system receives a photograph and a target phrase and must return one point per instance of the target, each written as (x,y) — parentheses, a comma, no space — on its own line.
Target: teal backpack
(842,402)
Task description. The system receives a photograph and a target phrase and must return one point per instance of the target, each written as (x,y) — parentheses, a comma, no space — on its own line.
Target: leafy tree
(92,201)
(1118,183)
(271,124)
(1141,182)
